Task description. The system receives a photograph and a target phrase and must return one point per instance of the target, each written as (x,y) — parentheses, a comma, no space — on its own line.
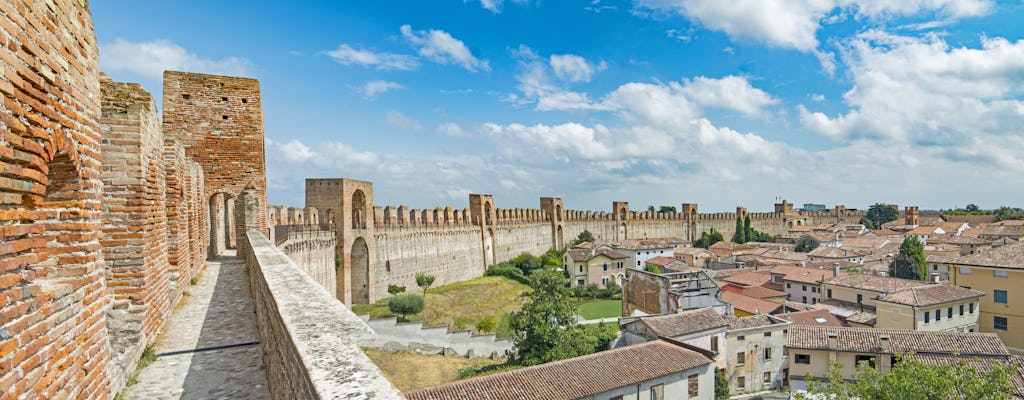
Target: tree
(913,379)
(424,281)
(395,289)
(487,324)
(972,208)
(667,209)
(869,224)
(741,233)
(909,263)
(707,239)
(405,304)
(545,330)
(880,213)
(584,236)
(651,268)
(651,208)
(803,247)
(721,385)
(750,233)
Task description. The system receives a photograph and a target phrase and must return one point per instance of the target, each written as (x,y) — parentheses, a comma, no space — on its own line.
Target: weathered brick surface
(53,335)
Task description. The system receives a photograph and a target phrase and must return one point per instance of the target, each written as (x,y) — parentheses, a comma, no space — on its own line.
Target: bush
(594,292)
(395,289)
(405,304)
(462,322)
(487,324)
(507,271)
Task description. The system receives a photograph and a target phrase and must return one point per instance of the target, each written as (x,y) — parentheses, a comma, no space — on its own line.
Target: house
(669,264)
(641,250)
(816,317)
(802,284)
(704,328)
(812,348)
(727,249)
(837,254)
(694,256)
(755,353)
(1010,229)
(595,266)
(999,273)
(745,305)
(658,369)
(968,244)
(904,303)
(647,293)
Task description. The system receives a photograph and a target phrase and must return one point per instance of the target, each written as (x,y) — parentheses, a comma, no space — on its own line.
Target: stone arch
(329,217)
(487,214)
(623,213)
(798,223)
(489,246)
(360,271)
(622,231)
(358,209)
(558,212)
(559,239)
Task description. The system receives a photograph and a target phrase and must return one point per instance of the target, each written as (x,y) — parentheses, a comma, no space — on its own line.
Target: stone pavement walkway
(217,312)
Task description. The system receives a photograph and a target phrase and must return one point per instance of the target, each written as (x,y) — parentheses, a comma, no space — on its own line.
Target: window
(224,117)
(814,301)
(1000,273)
(186,96)
(741,358)
(245,101)
(814,289)
(767,378)
(805,299)
(740,337)
(868,359)
(970,308)
(581,269)
(616,398)
(691,383)
(999,296)
(803,287)
(714,343)
(961,310)
(638,263)
(860,298)
(767,353)
(802,358)
(604,281)
(767,334)
(741,382)
(830,293)
(949,312)
(935,267)
(605,266)
(657,392)
(788,286)
(580,282)
(938,315)
(223,99)
(965,270)
(999,323)
(927,317)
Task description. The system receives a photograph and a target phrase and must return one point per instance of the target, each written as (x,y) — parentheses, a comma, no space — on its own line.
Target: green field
(601,309)
(460,305)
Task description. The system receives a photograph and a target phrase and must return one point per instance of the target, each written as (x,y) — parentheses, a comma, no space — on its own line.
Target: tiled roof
(1003,230)
(752,321)
(1015,365)
(812,318)
(836,252)
(642,244)
(751,278)
(749,304)
(958,240)
(684,323)
(804,275)
(926,230)
(866,242)
(661,261)
(760,292)
(1007,256)
(575,377)
(873,282)
(694,251)
(580,255)
(900,341)
(885,232)
(931,294)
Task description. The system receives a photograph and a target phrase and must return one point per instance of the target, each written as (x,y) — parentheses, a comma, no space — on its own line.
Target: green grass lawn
(460,305)
(601,309)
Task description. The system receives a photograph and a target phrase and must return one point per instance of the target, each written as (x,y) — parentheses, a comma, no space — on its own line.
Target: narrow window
(767,378)
(186,96)
(657,392)
(223,99)
(927,317)
(767,353)
(244,100)
(714,343)
(938,315)
(692,389)
(961,310)
(830,293)
(949,312)
(970,308)
(741,358)
(741,382)
(860,299)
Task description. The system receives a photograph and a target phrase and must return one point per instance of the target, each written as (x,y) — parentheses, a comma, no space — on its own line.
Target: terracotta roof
(936,293)
(642,244)
(753,321)
(751,278)
(785,255)
(760,292)
(885,232)
(812,318)
(575,377)
(866,242)
(958,240)
(661,261)
(684,323)
(580,255)
(749,304)
(926,230)
(693,251)
(1006,256)
(900,341)
(796,305)
(836,252)
(874,283)
(1015,365)
(804,275)
(1003,230)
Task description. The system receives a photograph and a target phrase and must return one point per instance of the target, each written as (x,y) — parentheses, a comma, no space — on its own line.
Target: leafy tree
(741,233)
(721,385)
(667,209)
(880,213)
(651,209)
(913,379)
(405,304)
(707,239)
(749,233)
(803,246)
(584,236)
(1004,213)
(868,223)
(424,281)
(652,268)
(545,329)
(395,289)
(972,208)
(487,324)
(909,263)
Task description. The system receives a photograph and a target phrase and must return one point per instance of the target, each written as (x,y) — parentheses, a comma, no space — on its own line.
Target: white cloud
(493,6)
(923,90)
(682,36)
(573,68)
(452,129)
(816,97)
(440,47)
(403,121)
(373,88)
(151,59)
(347,55)
(731,92)
(325,155)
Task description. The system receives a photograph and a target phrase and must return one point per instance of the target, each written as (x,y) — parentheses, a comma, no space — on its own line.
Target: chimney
(883,343)
(833,340)
(835,270)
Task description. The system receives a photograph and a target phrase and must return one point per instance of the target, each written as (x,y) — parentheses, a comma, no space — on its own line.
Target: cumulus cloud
(151,59)
(348,55)
(538,86)
(573,68)
(373,88)
(440,47)
(452,129)
(731,92)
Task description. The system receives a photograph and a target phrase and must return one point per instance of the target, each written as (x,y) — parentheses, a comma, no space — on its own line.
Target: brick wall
(53,335)
(134,221)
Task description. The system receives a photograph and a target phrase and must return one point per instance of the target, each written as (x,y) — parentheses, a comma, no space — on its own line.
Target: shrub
(507,271)
(487,324)
(395,289)
(405,304)
(462,322)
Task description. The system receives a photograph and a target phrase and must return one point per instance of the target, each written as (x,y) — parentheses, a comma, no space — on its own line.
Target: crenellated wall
(313,251)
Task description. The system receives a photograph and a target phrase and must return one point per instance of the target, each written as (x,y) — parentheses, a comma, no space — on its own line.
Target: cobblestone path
(217,313)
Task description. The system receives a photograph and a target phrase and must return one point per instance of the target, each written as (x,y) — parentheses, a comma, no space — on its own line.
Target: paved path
(217,312)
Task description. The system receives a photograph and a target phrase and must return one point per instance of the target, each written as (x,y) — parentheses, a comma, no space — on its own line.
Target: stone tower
(911,215)
(481,210)
(552,206)
(620,214)
(349,205)
(690,216)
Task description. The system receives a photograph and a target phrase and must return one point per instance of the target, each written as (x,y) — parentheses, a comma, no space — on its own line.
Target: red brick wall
(53,336)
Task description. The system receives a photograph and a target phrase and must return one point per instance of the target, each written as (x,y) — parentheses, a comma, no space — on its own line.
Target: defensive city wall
(380,246)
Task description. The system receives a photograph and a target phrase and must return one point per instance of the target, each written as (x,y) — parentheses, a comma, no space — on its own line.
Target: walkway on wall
(209,347)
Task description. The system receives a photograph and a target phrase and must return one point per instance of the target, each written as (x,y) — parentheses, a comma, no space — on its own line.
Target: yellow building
(597,266)
(904,304)
(999,273)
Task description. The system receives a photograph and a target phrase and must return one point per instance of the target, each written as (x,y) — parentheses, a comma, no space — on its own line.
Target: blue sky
(654,102)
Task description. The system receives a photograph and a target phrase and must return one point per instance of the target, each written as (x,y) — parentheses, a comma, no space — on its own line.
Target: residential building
(816,317)
(595,266)
(658,369)
(646,293)
(667,264)
(641,250)
(999,273)
(694,256)
(746,306)
(838,254)
(891,303)
(755,353)
(802,284)
(1010,229)
(704,328)
(811,348)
